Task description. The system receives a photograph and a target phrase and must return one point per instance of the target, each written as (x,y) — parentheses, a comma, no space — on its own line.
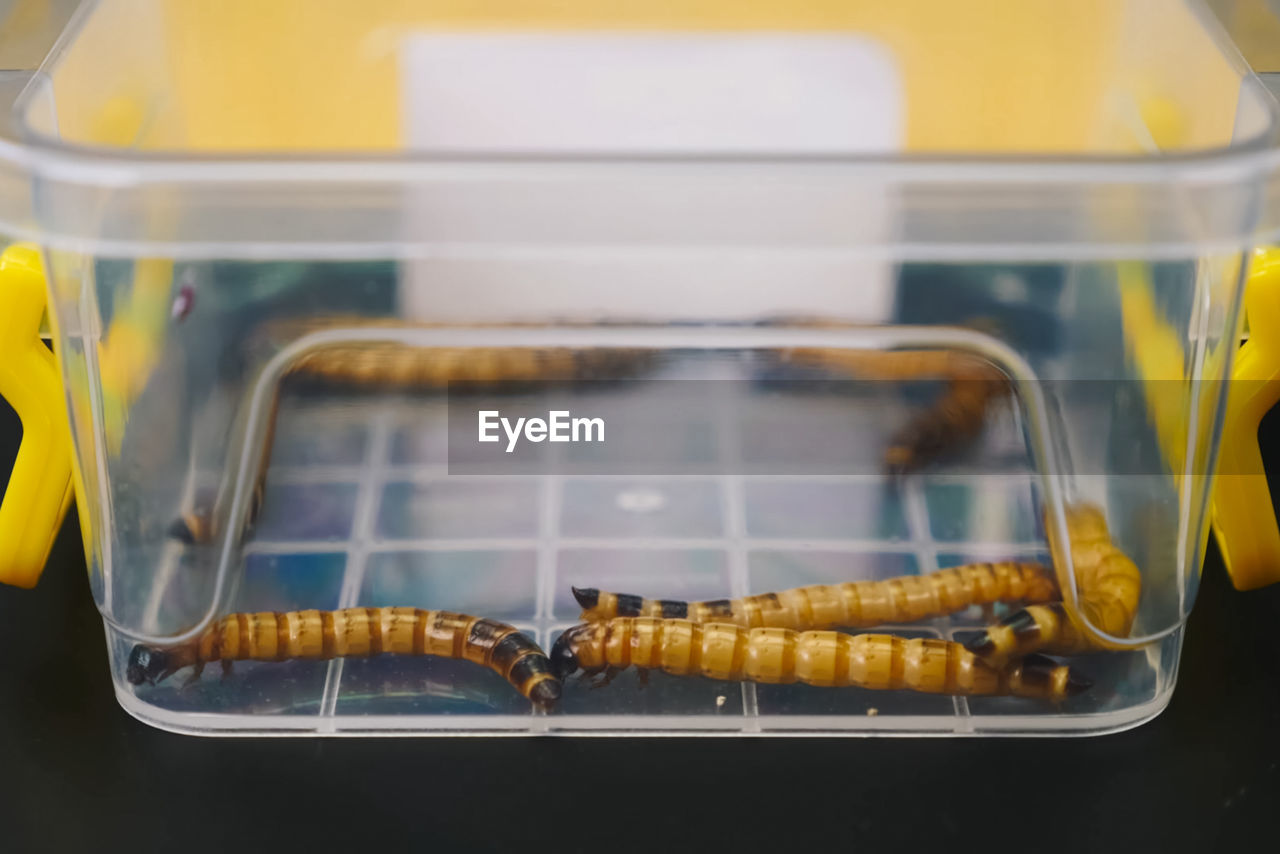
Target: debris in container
(641,499)
(185,301)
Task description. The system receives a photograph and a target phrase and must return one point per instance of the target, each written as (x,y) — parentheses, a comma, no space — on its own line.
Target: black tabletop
(78,774)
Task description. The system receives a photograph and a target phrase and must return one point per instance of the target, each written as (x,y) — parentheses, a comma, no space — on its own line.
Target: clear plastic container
(274,235)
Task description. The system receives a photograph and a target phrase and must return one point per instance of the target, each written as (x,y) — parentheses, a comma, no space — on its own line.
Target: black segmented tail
(605,605)
(1033,629)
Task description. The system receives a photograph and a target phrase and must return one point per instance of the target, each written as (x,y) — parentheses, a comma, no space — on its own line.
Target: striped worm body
(820,658)
(357,632)
(401,367)
(892,364)
(854,604)
(381,366)
(1109,586)
(972,387)
(407,366)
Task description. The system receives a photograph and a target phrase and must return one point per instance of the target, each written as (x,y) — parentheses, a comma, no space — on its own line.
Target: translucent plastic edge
(55,186)
(271,212)
(129,167)
(644,726)
(268,251)
(532,724)
(105,166)
(267,165)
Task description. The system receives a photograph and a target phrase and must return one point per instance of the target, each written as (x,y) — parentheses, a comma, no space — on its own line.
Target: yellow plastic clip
(1244,519)
(40,488)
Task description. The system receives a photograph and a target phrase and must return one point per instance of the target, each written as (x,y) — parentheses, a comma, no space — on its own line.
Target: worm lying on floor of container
(1108,582)
(821,658)
(1109,585)
(852,604)
(357,632)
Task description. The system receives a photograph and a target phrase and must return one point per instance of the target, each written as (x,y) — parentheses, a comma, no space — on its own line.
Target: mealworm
(399,366)
(955,420)
(407,366)
(403,367)
(356,632)
(820,658)
(855,604)
(192,528)
(1109,584)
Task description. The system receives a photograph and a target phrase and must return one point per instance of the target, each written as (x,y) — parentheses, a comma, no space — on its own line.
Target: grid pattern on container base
(361,510)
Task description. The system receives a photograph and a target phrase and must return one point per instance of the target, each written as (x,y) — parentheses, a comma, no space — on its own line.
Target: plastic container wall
(206,233)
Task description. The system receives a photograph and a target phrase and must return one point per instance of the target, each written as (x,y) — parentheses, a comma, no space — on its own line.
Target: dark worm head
(1077,683)
(564,659)
(147,664)
(180,529)
(981,645)
(545,694)
(588,597)
(1040,668)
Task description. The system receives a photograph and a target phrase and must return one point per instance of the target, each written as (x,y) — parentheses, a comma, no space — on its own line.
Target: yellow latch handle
(40,488)
(1244,519)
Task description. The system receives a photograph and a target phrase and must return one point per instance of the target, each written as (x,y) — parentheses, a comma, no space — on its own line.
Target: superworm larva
(194,527)
(1109,585)
(956,419)
(381,365)
(821,658)
(397,366)
(972,387)
(357,632)
(853,604)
